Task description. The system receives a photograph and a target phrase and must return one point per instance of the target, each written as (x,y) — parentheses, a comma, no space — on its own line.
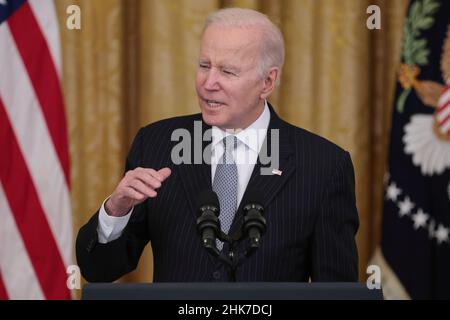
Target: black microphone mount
(253,228)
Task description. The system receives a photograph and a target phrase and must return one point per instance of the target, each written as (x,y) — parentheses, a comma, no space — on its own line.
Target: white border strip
(391,285)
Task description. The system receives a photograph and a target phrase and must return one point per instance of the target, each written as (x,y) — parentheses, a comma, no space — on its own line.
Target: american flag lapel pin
(277,172)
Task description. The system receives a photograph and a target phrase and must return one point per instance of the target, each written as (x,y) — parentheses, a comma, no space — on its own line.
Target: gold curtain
(133,62)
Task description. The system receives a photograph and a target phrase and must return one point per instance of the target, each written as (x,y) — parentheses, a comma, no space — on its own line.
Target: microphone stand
(232,256)
(232,261)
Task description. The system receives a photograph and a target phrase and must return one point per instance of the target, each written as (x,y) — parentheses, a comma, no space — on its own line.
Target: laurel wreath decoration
(414,49)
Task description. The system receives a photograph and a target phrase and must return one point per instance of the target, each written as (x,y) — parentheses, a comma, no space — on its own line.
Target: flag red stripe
(41,69)
(444,120)
(3,294)
(29,215)
(447,89)
(441,108)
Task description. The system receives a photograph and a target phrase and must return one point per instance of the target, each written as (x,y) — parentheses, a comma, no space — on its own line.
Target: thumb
(165,172)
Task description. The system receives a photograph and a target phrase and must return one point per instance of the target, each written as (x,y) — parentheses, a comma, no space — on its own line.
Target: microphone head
(253,199)
(208,199)
(254,225)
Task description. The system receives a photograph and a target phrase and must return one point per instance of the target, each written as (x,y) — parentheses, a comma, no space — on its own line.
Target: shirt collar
(252,136)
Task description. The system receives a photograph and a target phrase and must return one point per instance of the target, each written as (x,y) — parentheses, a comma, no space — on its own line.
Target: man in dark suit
(307,192)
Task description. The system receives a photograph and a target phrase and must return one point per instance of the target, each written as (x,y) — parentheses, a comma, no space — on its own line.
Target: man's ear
(269,82)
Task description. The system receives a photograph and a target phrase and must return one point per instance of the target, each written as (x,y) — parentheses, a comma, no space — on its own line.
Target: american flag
(415,244)
(35,214)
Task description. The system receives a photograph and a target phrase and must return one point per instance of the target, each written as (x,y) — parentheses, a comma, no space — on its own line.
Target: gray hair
(272,50)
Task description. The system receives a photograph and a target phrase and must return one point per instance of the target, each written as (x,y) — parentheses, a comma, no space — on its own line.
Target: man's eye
(204,66)
(228,72)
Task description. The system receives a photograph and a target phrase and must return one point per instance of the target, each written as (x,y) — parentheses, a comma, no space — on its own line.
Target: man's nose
(212,80)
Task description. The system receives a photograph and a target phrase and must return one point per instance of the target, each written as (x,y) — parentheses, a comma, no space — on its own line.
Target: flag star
(420,219)
(405,207)
(393,192)
(442,234)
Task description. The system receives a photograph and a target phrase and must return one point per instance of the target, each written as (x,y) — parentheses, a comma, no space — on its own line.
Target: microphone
(254,225)
(208,223)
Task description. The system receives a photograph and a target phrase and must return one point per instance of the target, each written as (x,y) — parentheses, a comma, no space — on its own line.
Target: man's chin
(213,120)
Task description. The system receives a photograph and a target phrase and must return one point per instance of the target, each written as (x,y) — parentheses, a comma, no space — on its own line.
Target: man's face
(228,85)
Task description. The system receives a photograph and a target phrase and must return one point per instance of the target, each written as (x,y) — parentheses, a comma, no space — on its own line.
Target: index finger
(165,172)
(160,175)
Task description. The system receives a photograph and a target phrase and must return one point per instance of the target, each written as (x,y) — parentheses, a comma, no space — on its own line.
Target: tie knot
(230,143)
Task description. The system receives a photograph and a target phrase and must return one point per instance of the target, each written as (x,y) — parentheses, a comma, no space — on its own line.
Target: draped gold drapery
(133,62)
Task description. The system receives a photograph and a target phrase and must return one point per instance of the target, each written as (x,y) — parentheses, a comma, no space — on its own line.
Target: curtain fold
(133,62)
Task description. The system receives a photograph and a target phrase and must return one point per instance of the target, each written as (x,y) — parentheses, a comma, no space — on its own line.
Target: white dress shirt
(245,155)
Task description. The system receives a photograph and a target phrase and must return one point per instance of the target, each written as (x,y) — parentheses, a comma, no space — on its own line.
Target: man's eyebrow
(230,66)
(221,66)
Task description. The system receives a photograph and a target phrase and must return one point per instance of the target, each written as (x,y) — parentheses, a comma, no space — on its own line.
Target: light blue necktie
(225,185)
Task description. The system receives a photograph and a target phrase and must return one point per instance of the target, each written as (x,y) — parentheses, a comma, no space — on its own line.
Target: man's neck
(258,112)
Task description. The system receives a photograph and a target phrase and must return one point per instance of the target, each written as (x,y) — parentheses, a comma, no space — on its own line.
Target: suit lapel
(196,177)
(268,185)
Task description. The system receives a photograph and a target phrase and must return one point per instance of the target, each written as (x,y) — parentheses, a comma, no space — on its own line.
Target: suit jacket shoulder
(308,146)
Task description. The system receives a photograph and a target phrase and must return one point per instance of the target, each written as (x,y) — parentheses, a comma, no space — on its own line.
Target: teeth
(213,103)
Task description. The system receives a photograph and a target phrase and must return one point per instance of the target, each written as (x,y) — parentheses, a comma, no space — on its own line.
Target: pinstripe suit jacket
(310,210)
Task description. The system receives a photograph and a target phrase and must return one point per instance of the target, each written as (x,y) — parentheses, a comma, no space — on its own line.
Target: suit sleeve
(107,262)
(334,251)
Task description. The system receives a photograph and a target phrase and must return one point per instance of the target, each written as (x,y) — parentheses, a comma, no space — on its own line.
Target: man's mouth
(214,103)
